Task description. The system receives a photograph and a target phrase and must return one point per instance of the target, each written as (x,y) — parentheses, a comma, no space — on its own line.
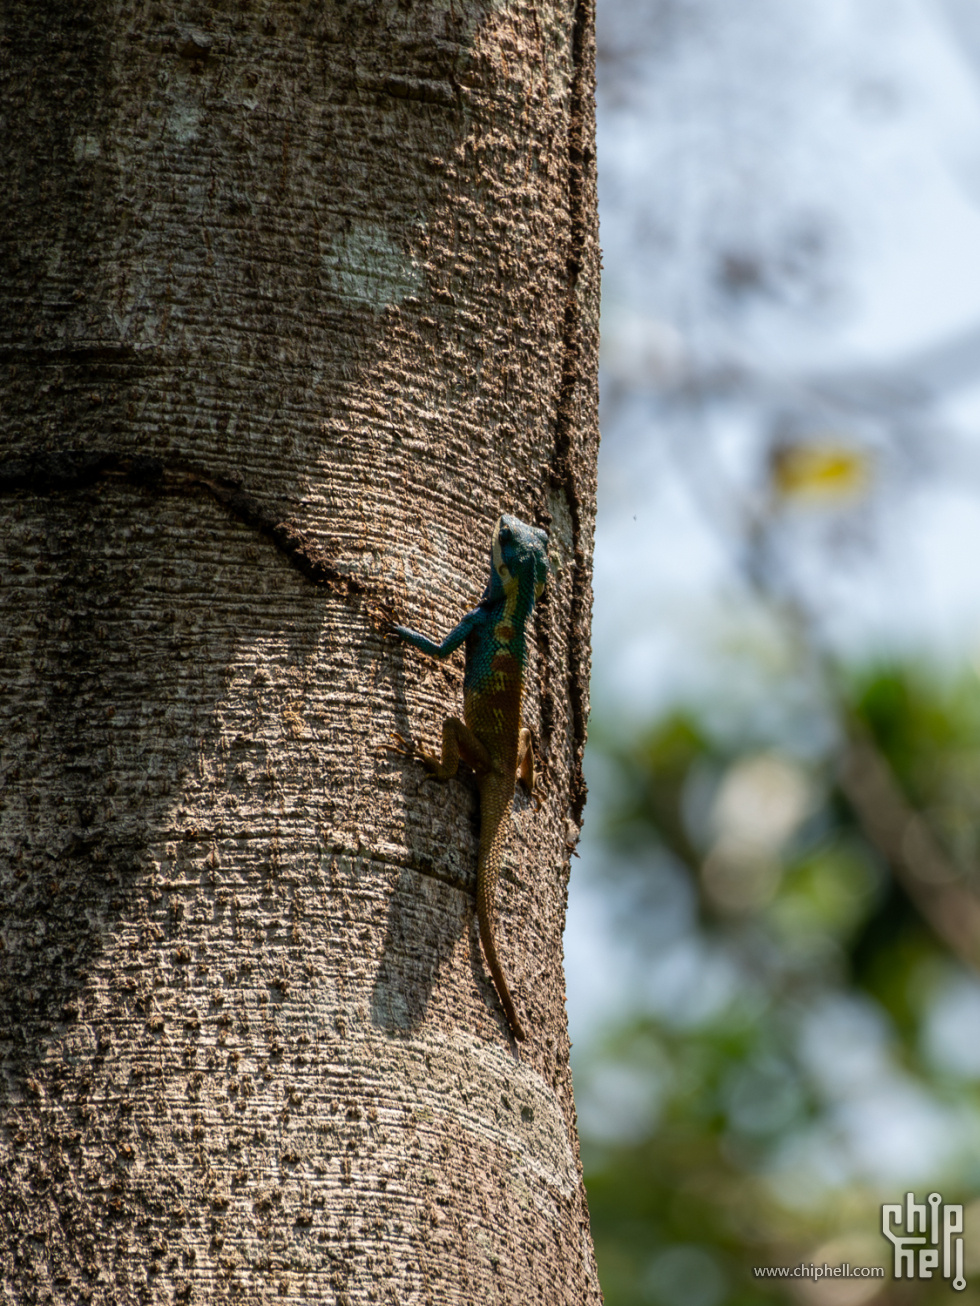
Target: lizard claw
(404,747)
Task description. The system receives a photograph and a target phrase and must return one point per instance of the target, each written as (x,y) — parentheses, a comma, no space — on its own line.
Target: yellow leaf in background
(820,470)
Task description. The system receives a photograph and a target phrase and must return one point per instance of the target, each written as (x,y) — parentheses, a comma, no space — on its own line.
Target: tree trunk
(299,297)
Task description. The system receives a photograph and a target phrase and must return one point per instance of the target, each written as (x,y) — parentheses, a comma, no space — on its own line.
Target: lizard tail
(484,914)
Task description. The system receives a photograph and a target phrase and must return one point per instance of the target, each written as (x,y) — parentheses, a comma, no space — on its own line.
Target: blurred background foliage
(811,1038)
(774,937)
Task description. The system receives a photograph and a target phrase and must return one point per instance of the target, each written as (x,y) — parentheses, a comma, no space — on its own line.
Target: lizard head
(520,556)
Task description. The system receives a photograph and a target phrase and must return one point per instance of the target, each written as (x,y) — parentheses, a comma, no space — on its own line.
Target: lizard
(490,737)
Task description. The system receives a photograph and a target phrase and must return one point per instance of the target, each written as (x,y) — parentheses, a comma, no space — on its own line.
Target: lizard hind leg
(458,741)
(525,759)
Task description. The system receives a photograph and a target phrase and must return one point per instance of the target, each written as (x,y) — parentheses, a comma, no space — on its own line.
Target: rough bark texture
(296,298)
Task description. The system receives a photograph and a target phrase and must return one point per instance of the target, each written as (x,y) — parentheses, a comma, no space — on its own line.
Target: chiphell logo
(923,1236)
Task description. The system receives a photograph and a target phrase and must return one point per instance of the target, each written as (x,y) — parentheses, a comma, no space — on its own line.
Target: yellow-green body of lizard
(490,737)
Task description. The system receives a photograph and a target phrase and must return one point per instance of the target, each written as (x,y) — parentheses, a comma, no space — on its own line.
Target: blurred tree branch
(905,840)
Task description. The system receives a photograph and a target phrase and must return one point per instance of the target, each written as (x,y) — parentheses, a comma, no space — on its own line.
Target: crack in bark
(580,158)
(53,471)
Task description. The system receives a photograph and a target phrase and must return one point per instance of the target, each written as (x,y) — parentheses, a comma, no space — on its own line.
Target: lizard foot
(407,748)
(404,747)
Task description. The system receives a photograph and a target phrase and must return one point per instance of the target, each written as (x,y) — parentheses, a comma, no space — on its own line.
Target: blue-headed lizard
(490,737)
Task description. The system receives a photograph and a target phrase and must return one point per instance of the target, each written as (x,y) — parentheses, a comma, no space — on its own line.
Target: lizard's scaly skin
(490,737)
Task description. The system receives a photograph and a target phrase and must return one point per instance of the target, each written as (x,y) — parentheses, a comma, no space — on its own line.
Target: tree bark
(297,298)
